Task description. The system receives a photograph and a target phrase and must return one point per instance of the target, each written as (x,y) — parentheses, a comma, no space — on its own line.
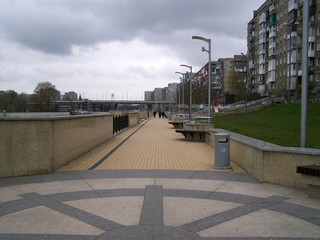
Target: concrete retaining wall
(41,145)
(271,163)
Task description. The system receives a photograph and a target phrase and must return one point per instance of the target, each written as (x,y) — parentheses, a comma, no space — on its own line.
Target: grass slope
(278,124)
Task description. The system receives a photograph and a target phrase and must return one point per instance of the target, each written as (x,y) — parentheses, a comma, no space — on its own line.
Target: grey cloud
(54,26)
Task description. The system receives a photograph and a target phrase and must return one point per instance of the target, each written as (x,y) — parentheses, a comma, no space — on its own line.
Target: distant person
(163,114)
(159,113)
(154,114)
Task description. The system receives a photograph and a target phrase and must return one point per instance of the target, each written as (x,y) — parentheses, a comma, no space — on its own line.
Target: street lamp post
(182,87)
(207,40)
(190,108)
(304,84)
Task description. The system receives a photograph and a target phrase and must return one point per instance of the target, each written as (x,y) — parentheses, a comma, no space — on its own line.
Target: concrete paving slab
(122,210)
(118,183)
(42,220)
(8,194)
(199,184)
(258,190)
(259,224)
(53,187)
(179,211)
(302,198)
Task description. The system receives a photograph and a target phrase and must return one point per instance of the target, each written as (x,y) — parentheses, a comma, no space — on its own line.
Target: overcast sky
(125,47)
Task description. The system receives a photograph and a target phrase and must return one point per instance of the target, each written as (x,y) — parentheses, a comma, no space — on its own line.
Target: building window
(311,62)
(318,62)
(311,77)
(318,31)
(318,46)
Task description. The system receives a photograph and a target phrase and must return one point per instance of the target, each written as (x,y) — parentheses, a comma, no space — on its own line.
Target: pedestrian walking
(154,114)
(159,113)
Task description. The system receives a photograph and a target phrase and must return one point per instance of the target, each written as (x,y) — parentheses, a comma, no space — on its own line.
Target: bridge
(106,105)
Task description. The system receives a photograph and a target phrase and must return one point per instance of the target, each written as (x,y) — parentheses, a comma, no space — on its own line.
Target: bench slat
(313,170)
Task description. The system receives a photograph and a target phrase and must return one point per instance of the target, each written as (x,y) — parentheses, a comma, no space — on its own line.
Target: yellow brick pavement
(156,145)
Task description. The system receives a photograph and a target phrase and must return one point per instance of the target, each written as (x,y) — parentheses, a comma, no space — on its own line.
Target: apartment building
(148,96)
(162,94)
(275,48)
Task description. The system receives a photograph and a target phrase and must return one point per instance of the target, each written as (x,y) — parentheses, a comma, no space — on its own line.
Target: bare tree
(45,92)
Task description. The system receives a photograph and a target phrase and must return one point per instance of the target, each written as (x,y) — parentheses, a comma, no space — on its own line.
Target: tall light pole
(304,84)
(207,40)
(182,87)
(190,108)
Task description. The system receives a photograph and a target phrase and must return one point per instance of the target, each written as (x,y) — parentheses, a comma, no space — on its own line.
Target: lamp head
(203,49)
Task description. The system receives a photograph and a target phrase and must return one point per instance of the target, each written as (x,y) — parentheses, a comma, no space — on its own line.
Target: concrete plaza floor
(114,203)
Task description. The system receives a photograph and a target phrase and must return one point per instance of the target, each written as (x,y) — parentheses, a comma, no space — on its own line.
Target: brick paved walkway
(153,144)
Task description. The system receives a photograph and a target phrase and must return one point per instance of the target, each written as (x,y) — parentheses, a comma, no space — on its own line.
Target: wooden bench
(177,124)
(193,134)
(312,170)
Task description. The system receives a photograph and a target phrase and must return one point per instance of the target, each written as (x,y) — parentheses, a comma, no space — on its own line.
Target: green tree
(236,83)
(20,102)
(7,99)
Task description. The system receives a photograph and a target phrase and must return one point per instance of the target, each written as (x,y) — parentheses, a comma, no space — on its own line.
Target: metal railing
(120,122)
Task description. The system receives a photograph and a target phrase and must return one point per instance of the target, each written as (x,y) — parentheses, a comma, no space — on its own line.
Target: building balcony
(293,58)
(261,31)
(262,51)
(272,33)
(272,45)
(292,5)
(272,52)
(293,72)
(311,53)
(262,40)
(272,65)
(271,7)
(311,39)
(262,17)
(262,70)
(271,77)
(251,65)
(292,34)
(300,73)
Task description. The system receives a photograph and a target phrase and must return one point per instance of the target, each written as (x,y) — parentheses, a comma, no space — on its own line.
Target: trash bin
(222,151)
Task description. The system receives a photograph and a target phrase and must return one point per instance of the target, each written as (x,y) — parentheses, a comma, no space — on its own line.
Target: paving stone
(152,210)
(264,223)
(122,210)
(42,220)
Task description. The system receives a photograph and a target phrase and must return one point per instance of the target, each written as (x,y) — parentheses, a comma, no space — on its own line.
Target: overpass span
(106,105)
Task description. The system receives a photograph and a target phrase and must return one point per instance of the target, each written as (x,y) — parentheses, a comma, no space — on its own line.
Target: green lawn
(278,124)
